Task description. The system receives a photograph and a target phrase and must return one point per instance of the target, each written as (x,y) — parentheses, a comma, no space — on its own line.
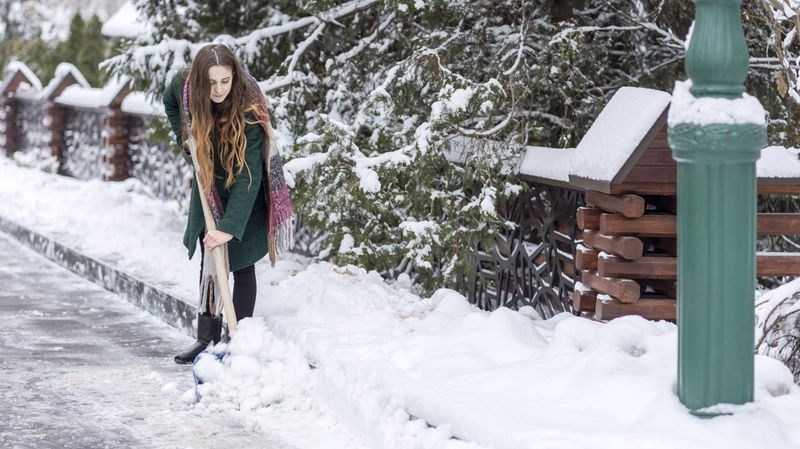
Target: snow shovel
(219,257)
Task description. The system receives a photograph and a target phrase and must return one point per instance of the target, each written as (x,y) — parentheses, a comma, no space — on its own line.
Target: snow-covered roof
(61,72)
(554,163)
(617,132)
(89,97)
(127,23)
(21,67)
(138,103)
(547,163)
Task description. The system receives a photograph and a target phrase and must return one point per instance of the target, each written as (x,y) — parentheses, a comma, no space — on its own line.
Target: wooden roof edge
(68,79)
(644,144)
(580,182)
(550,182)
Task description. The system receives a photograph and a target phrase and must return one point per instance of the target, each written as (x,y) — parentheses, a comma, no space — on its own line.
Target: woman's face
(221,77)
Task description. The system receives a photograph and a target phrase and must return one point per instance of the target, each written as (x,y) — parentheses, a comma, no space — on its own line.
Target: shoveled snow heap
(406,371)
(438,373)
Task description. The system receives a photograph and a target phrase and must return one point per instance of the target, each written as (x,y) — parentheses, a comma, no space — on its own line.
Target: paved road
(81,368)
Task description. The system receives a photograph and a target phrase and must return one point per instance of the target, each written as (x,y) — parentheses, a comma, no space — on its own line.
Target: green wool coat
(245,216)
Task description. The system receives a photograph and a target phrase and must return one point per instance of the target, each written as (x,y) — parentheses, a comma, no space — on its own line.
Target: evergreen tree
(92,52)
(406,117)
(70,48)
(42,58)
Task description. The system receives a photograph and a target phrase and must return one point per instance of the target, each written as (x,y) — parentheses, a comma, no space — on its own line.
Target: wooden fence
(601,241)
(596,232)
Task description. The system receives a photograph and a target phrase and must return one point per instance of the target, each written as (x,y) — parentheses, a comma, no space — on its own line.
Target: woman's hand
(215,238)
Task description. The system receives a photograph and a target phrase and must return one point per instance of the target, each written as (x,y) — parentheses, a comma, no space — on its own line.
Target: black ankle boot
(208,331)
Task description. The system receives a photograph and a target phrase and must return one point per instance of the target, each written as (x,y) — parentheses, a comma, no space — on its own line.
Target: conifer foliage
(402,120)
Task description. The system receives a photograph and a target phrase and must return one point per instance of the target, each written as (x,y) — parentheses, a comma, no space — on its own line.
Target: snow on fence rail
(74,129)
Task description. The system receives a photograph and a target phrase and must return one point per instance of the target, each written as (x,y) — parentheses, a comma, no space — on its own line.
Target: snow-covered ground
(405,371)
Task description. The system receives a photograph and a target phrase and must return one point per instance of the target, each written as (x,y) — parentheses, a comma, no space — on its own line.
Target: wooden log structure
(630,248)
(588,218)
(651,225)
(666,225)
(624,290)
(627,205)
(626,244)
(586,258)
(652,308)
(665,267)
(584,298)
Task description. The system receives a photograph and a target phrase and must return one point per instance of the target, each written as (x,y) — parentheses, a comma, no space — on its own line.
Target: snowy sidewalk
(411,372)
(84,369)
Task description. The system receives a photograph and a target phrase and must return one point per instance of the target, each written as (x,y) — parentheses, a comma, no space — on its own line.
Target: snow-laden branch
(250,44)
(518,60)
(303,46)
(365,42)
(563,34)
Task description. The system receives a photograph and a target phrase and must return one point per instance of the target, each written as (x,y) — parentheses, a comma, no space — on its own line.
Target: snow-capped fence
(606,213)
(83,144)
(155,163)
(89,133)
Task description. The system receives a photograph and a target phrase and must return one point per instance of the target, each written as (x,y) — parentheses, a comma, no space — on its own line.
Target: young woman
(220,105)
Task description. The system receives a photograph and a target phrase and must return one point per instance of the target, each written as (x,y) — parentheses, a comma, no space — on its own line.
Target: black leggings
(244,288)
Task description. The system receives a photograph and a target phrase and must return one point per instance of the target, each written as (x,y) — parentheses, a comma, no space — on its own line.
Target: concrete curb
(162,305)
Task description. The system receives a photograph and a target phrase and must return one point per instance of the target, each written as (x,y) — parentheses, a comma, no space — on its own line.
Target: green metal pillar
(716,220)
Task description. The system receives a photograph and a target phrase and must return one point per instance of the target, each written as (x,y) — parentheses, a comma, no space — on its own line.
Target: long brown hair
(227,118)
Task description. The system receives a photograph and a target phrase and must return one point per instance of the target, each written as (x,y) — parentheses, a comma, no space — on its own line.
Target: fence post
(116,157)
(54,114)
(8,110)
(7,119)
(716,216)
(54,121)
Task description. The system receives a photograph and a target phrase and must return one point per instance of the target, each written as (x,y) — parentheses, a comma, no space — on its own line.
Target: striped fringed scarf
(280,229)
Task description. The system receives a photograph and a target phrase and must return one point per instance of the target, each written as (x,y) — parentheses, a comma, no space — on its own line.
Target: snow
(419,227)
(138,103)
(686,108)
(777,332)
(548,163)
(62,70)
(18,66)
(778,162)
(91,97)
(406,371)
(105,220)
(126,22)
(617,131)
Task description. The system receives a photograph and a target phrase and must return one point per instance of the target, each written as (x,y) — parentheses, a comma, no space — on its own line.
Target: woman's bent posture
(220,105)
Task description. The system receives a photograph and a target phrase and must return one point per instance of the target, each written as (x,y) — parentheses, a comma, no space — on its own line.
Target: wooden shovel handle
(219,258)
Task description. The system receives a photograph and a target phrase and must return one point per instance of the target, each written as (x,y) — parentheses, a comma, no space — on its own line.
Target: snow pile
(778,330)
(617,131)
(89,97)
(126,22)
(138,103)
(117,222)
(778,162)
(257,371)
(409,372)
(18,66)
(686,108)
(438,373)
